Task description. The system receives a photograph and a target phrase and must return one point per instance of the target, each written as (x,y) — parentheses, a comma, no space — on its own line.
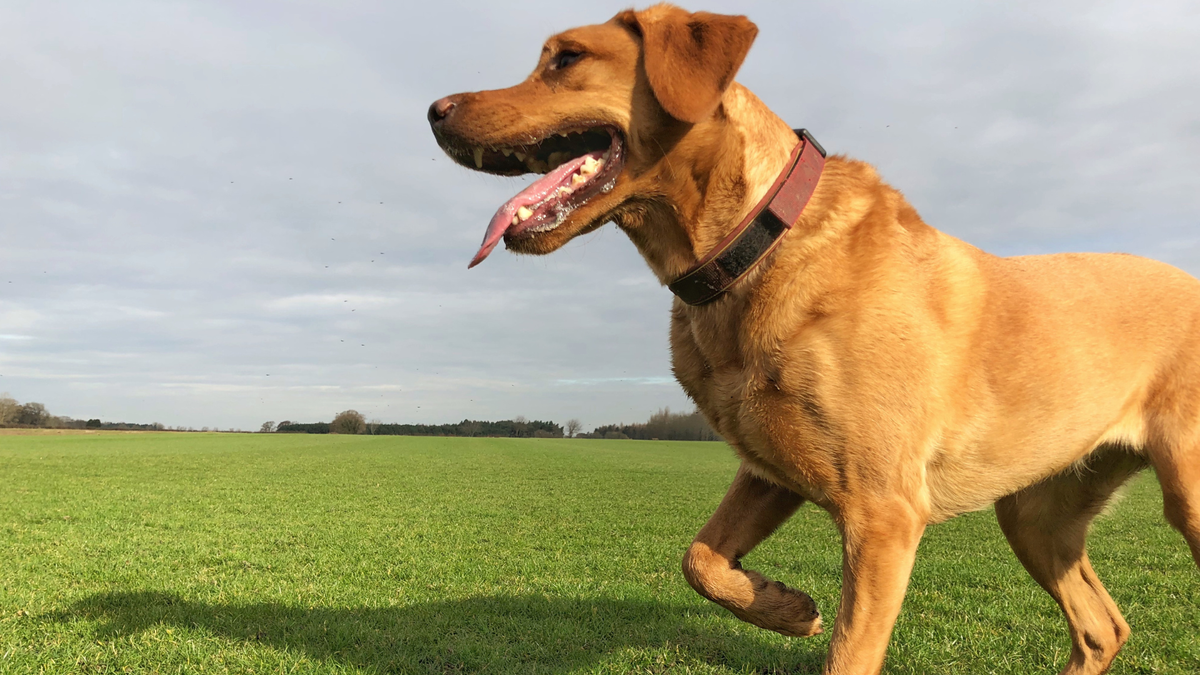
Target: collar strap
(760,232)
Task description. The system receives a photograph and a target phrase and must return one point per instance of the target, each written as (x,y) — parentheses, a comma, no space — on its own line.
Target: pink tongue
(537,193)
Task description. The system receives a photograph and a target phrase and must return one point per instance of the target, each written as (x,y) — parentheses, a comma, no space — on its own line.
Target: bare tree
(573,427)
(520,423)
(659,426)
(10,410)
(348,422)
(267,427)
(373,426)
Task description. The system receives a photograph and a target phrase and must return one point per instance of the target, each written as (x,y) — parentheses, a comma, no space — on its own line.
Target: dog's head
(599,117)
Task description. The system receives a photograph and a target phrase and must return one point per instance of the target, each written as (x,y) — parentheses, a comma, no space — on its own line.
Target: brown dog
(891,374)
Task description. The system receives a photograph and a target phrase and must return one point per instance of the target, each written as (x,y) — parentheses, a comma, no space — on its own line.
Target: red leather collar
(760,232)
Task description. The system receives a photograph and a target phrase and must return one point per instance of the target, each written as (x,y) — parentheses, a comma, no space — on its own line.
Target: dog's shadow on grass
(496,634)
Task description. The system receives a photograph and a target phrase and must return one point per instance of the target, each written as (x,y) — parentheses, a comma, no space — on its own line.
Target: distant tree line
(663,425)
(287,427)
(472,428)
(352,422)
(14,414)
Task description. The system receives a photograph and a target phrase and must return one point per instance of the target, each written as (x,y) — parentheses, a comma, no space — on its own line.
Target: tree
(373,426)
(520,424)
(659,425)
(33,414)
(10,410)
(267,427)
(93,423)
(348,422)
(573,427)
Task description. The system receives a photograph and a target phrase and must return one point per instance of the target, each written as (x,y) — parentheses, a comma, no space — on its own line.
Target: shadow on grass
(526,634)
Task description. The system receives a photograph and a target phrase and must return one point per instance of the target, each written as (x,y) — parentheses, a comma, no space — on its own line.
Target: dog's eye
(565,59)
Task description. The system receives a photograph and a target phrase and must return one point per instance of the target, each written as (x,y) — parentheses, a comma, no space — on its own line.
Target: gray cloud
(218,214)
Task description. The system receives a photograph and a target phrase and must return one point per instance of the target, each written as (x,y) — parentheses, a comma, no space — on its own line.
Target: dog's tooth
(478,157)
(578,179)
(519,155)
(516,219)
(524,213)
(563,134)
(506,151)
(564,191)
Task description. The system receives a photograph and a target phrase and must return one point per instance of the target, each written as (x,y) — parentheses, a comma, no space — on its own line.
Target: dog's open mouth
(578,165)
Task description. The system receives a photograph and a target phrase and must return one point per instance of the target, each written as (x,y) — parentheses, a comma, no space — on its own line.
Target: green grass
(175,553)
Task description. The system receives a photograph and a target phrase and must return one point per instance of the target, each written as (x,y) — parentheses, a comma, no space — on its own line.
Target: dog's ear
(690,59)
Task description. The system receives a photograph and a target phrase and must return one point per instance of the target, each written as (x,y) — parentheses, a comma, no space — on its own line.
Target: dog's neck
(742,149)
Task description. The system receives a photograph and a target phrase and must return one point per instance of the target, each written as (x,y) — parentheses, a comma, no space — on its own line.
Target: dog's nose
(439,109)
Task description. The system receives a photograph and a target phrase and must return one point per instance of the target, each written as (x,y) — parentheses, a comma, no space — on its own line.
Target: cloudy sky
(222,213)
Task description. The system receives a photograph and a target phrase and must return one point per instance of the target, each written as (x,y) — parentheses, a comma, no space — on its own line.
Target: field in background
(182,553)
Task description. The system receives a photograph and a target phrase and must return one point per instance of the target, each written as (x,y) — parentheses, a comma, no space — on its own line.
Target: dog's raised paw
(781,609)
(799,614)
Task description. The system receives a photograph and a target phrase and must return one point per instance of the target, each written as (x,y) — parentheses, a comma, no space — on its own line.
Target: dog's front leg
(879,545)
(750,512)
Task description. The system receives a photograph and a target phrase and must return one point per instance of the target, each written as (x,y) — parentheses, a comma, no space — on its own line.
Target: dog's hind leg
(749,513)
(1181,505)
(1174,441)
(1178,470)
(1174,447)
(1047,526)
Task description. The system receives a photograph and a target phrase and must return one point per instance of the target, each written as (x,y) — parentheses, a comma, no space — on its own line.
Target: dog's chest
(767,405)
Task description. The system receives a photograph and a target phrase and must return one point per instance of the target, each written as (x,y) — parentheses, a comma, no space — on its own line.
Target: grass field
(257,553)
